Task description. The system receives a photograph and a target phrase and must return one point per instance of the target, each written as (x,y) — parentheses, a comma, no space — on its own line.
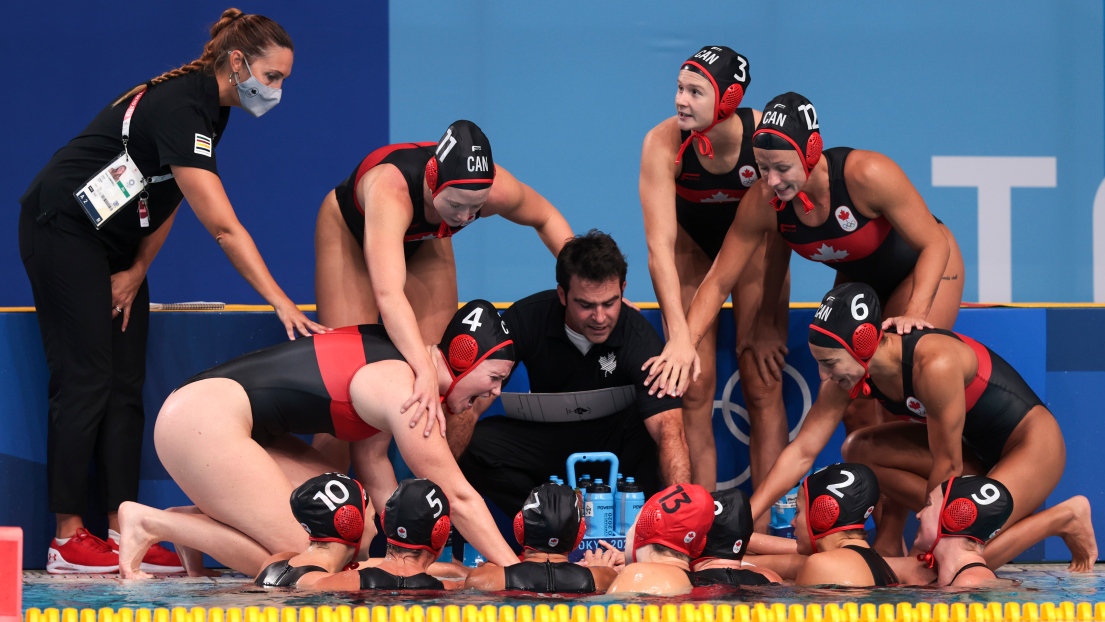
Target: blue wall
(276,169)
(1045,346)
(567,90)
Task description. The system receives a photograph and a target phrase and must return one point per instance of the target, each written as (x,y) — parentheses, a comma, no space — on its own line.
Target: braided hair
(250,33)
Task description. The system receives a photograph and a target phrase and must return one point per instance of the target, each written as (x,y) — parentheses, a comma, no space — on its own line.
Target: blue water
(1036,583)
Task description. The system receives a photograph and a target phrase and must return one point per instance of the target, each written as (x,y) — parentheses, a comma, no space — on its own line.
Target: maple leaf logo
(846,219)
(828,253)
(719,197)
(915,405)
(748,175)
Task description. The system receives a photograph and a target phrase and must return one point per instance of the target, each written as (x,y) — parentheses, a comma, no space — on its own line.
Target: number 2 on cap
(835,488)
(473,319)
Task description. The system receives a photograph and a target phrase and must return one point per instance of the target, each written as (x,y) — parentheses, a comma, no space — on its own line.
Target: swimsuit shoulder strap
(968,567)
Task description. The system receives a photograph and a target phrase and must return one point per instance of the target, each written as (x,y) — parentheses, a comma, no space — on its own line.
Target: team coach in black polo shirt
(578,337)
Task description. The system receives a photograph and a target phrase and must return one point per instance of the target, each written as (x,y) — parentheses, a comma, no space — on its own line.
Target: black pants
(507,458)
(96,370)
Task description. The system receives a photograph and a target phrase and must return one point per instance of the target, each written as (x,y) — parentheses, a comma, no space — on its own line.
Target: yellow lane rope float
(687,612)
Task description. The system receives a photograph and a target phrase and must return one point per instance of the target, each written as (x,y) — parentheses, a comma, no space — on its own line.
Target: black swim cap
(551,521)
(849,317)
(728,72)
(839,497)
(792,118)
(462,159)
(728,537)
(974,507)
(476,333)
(416,516)
(331,508)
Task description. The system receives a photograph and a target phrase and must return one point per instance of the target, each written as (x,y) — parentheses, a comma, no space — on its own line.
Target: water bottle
(782,513)
(600,502)
(633,499)
(619,504)
(584,483)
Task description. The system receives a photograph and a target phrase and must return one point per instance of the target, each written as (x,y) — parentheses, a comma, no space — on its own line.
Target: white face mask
(256,98)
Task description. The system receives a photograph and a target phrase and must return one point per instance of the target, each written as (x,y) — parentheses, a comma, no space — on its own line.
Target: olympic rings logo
(728,408)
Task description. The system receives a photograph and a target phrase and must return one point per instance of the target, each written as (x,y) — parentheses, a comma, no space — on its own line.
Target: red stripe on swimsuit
(340,356)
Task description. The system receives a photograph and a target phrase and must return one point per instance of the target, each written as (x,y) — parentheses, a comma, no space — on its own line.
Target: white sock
(61,541)
(114,535)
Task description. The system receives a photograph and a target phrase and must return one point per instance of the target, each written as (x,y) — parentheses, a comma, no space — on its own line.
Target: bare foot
(134,540)
(1078,534)
(192,560)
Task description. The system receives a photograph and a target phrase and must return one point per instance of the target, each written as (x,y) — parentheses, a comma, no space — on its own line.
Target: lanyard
(128,114)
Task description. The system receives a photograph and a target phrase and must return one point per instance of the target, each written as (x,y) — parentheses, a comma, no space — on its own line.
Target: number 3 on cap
(473,319)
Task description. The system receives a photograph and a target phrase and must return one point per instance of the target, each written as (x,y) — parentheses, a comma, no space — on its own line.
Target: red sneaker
(157,559)
(83,552)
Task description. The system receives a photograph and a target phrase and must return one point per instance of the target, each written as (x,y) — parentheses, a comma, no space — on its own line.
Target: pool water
(1035,583)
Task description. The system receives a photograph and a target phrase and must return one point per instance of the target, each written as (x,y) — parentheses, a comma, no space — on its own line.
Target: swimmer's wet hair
(663,551)
(592,257)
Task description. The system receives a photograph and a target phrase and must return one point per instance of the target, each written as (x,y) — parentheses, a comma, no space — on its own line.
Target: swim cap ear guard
(728,73)
(973,507)
(551,521)
(793,118)
(838,498)
(331,508)
(476,333)
(416,516)
(678,517)
(462,159)
(733,525)
(850,317)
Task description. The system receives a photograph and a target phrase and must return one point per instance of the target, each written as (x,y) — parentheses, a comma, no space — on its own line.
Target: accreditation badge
(111,189)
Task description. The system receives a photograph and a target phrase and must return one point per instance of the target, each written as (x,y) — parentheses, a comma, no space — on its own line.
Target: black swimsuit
(968,567)
(376,579)
(861,249)
(281,574)
(881,572)
(549,577)
(705,203)
(410,159)
(728,576)
(302,386)
(997,398)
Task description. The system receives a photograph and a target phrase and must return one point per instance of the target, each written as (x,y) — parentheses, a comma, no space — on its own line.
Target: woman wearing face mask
(695,168)
(383,249)
(87,239)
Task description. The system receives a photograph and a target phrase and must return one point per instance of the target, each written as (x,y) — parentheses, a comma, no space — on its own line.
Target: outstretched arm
(523,205)
(666,429)
(791,466)
(204,192)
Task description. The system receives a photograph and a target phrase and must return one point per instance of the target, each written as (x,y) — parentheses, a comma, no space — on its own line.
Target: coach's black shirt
(177,122)
(555,364)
